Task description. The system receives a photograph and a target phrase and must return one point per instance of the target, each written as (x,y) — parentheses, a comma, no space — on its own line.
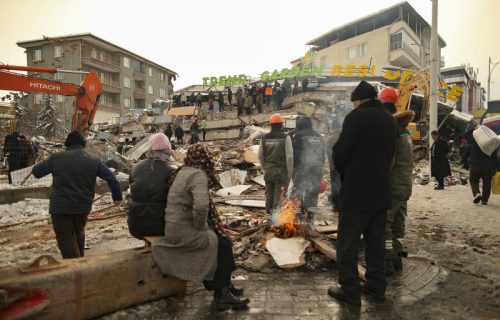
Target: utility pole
(490,70)
(433,86)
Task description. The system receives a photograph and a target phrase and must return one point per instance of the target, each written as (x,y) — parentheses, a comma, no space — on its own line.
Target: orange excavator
(87,93)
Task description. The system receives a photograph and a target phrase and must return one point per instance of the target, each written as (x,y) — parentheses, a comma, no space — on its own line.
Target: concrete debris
(252,155)
(259,180)
(288,253)
(258,263)
(235,190)
(247,203)
(232,177)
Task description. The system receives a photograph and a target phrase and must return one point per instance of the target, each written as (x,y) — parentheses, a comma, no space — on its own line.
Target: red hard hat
(276,119)
(388,94)
(322,186)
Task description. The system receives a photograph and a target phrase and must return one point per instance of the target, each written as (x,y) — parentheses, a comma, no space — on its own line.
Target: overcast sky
(226,37)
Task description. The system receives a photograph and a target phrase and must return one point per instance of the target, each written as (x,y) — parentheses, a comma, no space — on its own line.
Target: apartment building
(473,96)
(396,36)
(129,80)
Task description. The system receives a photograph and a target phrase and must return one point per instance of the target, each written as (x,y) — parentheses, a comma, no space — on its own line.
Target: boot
(389,256)
(226,300)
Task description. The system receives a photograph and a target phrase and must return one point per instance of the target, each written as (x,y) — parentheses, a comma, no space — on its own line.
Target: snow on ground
(24,211)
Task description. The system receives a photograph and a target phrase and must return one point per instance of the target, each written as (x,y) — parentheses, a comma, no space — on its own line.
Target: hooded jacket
(402,170)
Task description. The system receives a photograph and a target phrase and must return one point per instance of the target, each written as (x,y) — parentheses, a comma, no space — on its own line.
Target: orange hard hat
(388,94)
(276,119)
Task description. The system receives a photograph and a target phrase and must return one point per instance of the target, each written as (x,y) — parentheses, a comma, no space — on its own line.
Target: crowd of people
(370,161)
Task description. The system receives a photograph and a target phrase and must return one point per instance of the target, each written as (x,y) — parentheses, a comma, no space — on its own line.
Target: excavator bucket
(86,103)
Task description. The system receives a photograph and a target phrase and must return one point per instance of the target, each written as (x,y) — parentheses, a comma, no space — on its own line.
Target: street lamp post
(490,71)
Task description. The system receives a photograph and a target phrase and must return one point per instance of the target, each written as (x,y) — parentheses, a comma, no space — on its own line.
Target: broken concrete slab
(138,150)
(259,180)
(288,253)
(252,154)
(232,177)
(258,262)
(247,203)
(231,191)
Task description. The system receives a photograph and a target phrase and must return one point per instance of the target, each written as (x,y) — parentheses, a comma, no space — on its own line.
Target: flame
(286,221)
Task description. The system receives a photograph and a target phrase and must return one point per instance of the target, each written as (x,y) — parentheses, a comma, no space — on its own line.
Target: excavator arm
(414,82)
(86,94)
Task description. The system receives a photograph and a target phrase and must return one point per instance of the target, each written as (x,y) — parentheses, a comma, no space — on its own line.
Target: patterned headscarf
(199,156)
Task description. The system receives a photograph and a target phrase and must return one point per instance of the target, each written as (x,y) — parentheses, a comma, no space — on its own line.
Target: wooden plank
(331,228)
(326,249)
(87,288)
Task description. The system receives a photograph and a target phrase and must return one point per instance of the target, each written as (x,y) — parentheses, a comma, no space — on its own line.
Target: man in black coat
(440,167)
(363,155)
(74,174)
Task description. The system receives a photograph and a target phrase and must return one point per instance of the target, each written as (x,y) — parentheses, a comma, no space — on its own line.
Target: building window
(358,50)
(396,41)
(58,76)
(162,76)
(150,71)
(162,93)
(94,53)
(127,102)
(59,98)
(37,55)
(101,56)
(126,82)
(126,62)
(150,89)
(57,51)
(38,98)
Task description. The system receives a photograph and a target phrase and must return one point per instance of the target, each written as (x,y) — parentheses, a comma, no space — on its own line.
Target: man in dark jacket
(276,158)
(74,174)
(179,134)
(440,167)
(363,155)
(481,167)
(149,189)
(308,160)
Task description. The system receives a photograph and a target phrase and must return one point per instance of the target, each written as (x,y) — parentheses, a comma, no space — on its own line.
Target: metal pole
(433,101)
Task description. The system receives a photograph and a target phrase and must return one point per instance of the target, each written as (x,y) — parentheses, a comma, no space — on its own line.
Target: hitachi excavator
(87,93)
(413,94)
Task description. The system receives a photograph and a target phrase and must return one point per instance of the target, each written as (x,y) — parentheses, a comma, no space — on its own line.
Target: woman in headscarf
(196,247)
(149,187)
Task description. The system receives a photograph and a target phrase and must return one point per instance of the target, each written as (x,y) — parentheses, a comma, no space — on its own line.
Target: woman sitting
(195,246)
(149,187)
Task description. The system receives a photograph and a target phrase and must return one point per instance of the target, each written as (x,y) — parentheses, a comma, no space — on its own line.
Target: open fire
(286,221)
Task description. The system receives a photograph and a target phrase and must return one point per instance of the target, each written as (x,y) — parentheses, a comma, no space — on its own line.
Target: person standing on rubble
(247,103)
(363,155)
(204,128)
(168,131)
(199,100)
(308,161)
(74,173)
(149,189)
(194,131)
(401,183)
(276,158)
(221,101)
(440,167)
(196,247)
(179,134)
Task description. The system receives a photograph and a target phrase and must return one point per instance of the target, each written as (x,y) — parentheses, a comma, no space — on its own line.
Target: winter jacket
(475,155)
(276,154)
(401,175)
(363,155)
(440,167)
(179,133)
(148,197)
(74,174)
(308,149)
(189,249)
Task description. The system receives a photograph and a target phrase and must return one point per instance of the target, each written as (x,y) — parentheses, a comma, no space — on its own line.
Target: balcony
(139,93)
(139,76)
(110,85)
(402,55)
(100,61)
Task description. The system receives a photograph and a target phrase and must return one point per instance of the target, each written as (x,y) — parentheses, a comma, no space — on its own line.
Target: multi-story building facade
(473,96)
(396,36)
(129,80)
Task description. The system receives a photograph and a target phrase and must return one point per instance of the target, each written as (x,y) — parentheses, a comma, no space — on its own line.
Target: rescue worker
(308,160)
(401,183)
(276,158)
(74,174)
(363,155)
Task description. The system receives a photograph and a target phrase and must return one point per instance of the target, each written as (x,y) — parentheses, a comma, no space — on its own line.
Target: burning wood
(286,221)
